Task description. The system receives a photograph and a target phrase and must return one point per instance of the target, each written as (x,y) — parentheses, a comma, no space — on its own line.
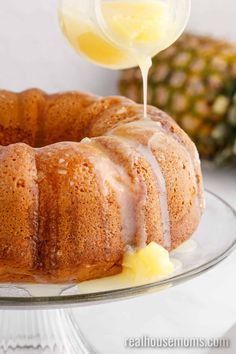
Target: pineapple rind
(195,82)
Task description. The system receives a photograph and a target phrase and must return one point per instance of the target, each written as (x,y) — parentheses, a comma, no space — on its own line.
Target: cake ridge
(76,231)
(36,212)
(146,152)
(140,189)
(178,134)
(195,161)
(125,196)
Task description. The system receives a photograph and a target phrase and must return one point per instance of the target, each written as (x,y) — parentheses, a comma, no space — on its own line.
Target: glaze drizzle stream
(146,152)
(116,177)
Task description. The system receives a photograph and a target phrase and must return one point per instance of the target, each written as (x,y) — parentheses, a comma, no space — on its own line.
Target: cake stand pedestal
(41,331)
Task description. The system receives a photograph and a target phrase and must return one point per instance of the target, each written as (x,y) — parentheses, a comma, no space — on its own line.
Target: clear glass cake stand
(36,319)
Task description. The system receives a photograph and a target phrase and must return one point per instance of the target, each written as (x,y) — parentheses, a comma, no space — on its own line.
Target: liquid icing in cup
(120,34)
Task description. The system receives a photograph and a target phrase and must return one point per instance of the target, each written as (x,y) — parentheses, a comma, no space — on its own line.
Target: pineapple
(195,82)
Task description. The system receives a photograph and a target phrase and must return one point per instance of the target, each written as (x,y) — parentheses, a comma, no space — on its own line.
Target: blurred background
(33,51)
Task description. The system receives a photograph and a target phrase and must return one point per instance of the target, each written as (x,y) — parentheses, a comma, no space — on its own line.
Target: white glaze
(115,176)
(147,153)
(111,283)
(44,290)
(194,163)
(145,63)
(107,283)
(140,189)
(178,265)
(187,247)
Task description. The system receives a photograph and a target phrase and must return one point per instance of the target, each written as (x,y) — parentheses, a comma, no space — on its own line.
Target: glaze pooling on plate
(80,197)
(104,284)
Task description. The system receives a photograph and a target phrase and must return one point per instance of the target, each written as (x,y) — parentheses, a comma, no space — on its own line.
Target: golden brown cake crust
(83,177)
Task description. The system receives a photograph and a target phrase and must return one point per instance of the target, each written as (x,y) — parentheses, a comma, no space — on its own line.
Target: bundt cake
(83,178)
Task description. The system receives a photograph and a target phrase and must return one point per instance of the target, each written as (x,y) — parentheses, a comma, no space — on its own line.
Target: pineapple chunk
(143,266)
(146,263)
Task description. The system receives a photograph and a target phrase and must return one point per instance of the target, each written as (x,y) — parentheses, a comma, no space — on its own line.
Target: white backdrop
(33,51)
